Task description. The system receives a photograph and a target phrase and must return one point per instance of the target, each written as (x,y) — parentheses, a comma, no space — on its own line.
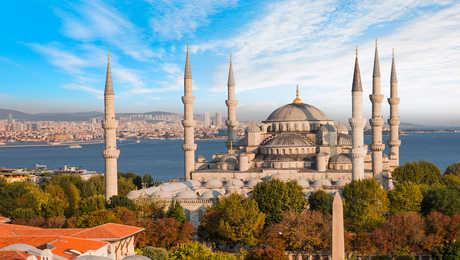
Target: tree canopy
(453,169)
(418,172)
(321,201)
(406,196)
(176,211)
(445,200)
(274,197)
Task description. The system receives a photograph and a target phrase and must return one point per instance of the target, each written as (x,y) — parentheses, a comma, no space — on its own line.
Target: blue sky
(53,54)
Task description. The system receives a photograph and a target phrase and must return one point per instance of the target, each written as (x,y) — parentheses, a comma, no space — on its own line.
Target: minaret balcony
(188,123)
(377,147)
(189,147)
(377,122)
(393,143)
(393,101)
(376,98)
(231,124)
(356,122)
(231,102)
(188,100)
(111,153)
(394,121)
(110,124)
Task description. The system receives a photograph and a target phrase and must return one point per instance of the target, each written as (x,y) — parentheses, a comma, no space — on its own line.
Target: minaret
(110,132)
(189,145)
(394,141)
(231,105)
(357,124)
(377,121)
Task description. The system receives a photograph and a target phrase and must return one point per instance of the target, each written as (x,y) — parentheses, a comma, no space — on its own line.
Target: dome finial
(297,99)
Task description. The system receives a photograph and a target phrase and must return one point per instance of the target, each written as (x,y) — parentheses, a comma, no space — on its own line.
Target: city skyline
(270,41)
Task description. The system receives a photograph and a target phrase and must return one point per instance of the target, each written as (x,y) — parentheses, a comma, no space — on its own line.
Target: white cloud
(174,19)
(97,92)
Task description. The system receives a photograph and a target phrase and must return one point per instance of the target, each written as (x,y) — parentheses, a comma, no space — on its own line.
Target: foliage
(401,235)
(147,208)
(274,197)
(440,229)
(197,251)
(125,216)
(266,254)
(164,233)
(155,253)
(453,169)
(125,186)
(232,220)
(90,204)
(360,243)
(306,231)
(147,179)
(176,211)
(451,181)
(444,200)
(96,218)
(421,172)
(406,196)
(121,201)
(450,251)
(365,205)
(321,201)
(138,182)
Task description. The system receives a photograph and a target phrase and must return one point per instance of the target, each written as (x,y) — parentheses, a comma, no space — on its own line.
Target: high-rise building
(218,119)
(207,119)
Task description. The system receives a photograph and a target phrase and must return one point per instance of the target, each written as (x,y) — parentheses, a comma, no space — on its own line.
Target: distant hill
(71,116)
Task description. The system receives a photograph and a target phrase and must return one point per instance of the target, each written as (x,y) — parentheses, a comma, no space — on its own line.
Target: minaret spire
(188,99)
(231,105)
(109,124)
(377,120)
(394,121)
(357,124)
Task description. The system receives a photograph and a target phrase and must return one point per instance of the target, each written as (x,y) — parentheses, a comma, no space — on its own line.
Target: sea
(164,159)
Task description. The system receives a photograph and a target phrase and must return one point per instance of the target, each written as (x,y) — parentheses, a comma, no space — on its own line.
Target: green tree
(451,181)
(232,220)
(321,201)
(125,186)
(138,182)
(93,203)
(155,253)
(147,208)
(450,251)
(176,211)
(365,205)
(73,197)
(443,199)
(406,196)
(421,172)
(190,251)
(453,169)
(97,218)
(121,201)
(266,254)
(274,197)
(148,181)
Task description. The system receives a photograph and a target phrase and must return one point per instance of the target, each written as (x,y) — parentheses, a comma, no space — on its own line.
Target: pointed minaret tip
(297,99)
(393,67)
(108,79)
(356,51)
(231,79)
(188,70)
(357,86)
(376,61)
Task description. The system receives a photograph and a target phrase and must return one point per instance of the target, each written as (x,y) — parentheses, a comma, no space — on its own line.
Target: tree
(453,169)
(406,196)
(121,201)
(73,197)
(147,208)
(421,172)
(274,197)
(266,254)
(306,231)
(97,218)
(147,180)
(321,201)
(401,235)
(441,229)
(155,253)
(444,200)
(365,205)
(450,251)
(195,250)
(451,181)
(138,182)
(166,232)
(125,186)
(232,221)
(93,203)
(125,216)
(176,211)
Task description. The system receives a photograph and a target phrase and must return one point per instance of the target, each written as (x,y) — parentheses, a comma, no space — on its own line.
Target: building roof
(13,254)
(109,232)
(296,112)
(291,140)
(4,219)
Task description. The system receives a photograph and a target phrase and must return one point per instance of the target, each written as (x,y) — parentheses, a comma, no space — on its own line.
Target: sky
(53,54)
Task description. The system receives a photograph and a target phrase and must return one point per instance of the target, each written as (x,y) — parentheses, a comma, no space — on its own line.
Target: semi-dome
(193,184)
(288,140)
(303,183)
(253,182)
(321,182)
(234,183)
(341,158)
(213,183)
(342,182)
(210,194)
(296,112)
(186,194)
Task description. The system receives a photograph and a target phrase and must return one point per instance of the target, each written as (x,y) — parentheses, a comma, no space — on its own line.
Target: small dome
(341,159)
(288,140)
(341,182)
(213,183)
(173,187)
(210,194)
(279,176)
(234,183)
(201,158)
(134,194)
(253,182)
(193,184)
(186,194)
(296,112)
(303,183)
(321,182)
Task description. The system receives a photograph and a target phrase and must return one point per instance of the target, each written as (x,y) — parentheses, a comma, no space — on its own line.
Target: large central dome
(296,112)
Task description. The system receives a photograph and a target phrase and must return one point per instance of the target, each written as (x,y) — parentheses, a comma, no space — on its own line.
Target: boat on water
(138,141)
(74,146)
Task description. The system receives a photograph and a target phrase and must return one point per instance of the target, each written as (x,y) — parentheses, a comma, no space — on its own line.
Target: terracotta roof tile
(109,231)
(13,255)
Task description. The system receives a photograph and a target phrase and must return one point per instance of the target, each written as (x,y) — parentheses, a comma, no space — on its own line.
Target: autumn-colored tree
(321,201)
(365,206)
(451,180)
(453,169)
(448,251)
(440,229)
(126,216)
(97,218)
(266,254)
(55,222)
(155,253)
(401,235)
(442,199)
(274,196)
(147,208)
(233,221)
(165,233)
(359,243)
(176,211)
(406,196)
(418,172)
(306,231)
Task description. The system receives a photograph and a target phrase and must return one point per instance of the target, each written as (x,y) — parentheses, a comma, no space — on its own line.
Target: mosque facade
(296,142)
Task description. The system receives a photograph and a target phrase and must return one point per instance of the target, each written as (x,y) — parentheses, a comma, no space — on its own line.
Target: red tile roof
(13,255)
(109,232)
(4,219)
